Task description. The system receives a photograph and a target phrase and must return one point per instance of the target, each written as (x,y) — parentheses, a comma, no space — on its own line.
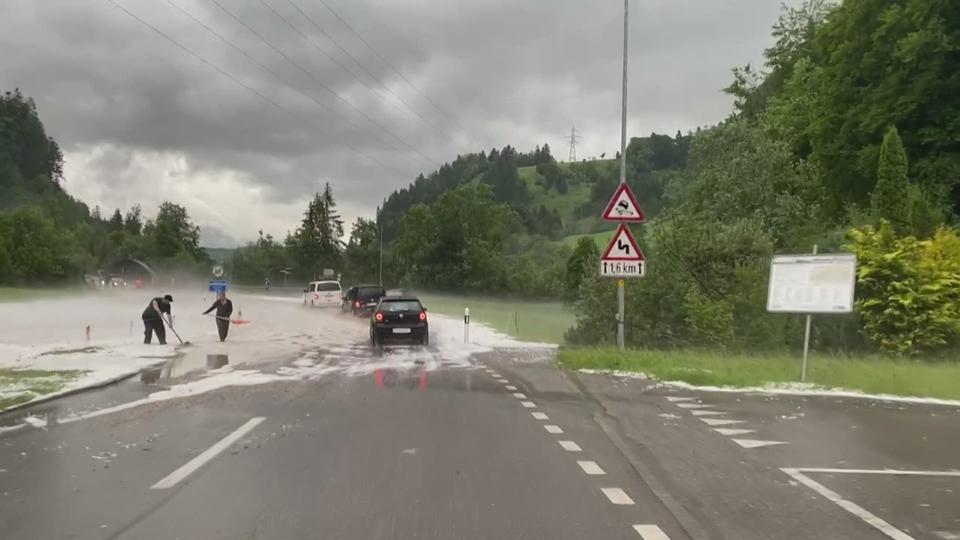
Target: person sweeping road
(224,308)
(153,319)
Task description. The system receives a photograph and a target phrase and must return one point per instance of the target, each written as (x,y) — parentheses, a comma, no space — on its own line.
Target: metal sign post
(623,166)
(806,340)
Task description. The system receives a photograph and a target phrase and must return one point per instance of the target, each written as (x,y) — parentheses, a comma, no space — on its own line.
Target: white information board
(812,283)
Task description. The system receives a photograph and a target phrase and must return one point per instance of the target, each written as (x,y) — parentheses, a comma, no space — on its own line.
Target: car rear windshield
(368,294)
(401,305)
(328,286)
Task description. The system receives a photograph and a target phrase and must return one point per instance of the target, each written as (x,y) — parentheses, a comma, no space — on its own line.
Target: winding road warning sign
(623,206)
(623,257)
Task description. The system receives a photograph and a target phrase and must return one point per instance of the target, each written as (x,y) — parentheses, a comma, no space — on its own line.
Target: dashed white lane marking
(570,446)
(728,431)
(674,399)
(529,404)
(707,413)
(519,395)
(693,406)
(754,443)
(553,429)
(191,466)
(617,496)
(494,374)
(849,506)
(591,468)
(540,416)
(651,532)
(720,421)
(503,381)
(511,387)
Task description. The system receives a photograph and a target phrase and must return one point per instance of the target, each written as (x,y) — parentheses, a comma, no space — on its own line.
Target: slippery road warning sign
(623,257)
(623,206)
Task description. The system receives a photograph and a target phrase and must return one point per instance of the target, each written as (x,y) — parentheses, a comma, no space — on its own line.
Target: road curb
(74,391)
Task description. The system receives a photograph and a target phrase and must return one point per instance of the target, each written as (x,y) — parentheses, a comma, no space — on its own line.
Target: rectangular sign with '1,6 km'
(622,268)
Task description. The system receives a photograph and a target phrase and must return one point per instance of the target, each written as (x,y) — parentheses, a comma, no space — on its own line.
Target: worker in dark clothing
(153,319)
(224,308)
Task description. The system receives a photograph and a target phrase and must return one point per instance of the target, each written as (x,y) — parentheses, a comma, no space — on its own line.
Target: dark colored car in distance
(399,318)
(362,299)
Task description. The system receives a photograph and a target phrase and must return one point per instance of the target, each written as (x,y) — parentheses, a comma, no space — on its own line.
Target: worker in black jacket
(224,308)
(153,319)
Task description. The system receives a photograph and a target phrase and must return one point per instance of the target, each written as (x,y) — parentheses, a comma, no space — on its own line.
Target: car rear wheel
(425,340)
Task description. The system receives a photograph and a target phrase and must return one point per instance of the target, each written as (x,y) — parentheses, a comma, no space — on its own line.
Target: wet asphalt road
(453,453)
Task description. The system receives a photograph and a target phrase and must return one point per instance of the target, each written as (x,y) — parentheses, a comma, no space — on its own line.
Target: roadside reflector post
(466,325)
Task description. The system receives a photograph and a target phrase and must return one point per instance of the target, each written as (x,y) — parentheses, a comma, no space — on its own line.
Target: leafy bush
(908,289)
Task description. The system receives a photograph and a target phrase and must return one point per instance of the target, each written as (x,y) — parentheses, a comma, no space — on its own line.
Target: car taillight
(379,317)
(356,304)
(423,315)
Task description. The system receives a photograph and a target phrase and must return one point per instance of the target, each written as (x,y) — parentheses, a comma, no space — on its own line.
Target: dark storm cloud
(124,103)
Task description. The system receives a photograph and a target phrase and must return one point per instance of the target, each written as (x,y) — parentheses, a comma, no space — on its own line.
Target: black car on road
(361,300)
(401,318)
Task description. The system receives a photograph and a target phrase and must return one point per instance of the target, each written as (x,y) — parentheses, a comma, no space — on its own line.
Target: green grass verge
(874,375)
(543,322)
(22,385)
(17,294)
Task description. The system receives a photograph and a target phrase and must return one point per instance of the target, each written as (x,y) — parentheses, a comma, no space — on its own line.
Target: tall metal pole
(623,168)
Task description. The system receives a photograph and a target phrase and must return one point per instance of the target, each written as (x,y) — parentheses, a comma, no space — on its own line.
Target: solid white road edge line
(617,496)
(877,471)
(540,416)
(591,468)
(849,506)
(553,429)
(191,466)
(651,532)
(570,446)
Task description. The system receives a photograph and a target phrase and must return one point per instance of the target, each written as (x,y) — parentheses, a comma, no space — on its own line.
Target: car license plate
(401,330)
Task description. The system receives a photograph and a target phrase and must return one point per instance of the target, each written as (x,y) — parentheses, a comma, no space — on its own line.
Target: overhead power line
(273,73)
(387,63)
(364,68)
(320,83)
(236,80)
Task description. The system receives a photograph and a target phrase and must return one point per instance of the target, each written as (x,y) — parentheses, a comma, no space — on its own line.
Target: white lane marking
(849,506)
(754,443)
(519,395)
(503,381)
(693,405)
(540,416)
(553,429)
(570,446)
(591,468)
(529,404)
(617,495)
(674,399)
(720,421)
(176,476)
(651,532)
(707,413)
(494,374)
(728,431)
(511,387)
(901,472)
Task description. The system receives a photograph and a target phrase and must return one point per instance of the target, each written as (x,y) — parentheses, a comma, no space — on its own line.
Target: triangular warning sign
(623,206)
(622,247)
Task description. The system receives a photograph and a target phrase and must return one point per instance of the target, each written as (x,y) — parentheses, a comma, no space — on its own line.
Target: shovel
(170,326)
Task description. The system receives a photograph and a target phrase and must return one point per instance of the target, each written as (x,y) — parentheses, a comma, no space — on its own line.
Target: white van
(323,294)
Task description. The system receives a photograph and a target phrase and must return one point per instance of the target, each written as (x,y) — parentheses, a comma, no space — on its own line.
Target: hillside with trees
(48,238)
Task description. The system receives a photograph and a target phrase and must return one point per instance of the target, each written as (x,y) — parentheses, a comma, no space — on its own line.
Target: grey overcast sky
(244,136)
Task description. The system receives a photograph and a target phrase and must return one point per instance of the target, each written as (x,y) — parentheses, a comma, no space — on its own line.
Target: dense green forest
(48,237)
